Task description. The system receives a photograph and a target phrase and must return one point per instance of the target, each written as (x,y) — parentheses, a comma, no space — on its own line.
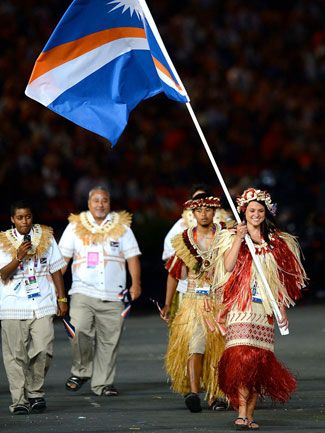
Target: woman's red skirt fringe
(258,371)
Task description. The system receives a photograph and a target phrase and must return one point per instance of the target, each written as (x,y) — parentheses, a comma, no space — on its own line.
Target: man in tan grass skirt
(196,342)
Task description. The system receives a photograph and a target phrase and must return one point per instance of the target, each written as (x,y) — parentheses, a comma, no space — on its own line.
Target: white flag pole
(248,240)
(161,44)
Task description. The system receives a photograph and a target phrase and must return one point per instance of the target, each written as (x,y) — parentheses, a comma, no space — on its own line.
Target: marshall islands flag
(102,59)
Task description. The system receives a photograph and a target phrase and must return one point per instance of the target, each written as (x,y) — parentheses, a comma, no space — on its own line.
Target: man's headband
(192,204)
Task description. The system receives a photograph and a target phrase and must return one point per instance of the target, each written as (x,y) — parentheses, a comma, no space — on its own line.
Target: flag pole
(248,239)
(160,42)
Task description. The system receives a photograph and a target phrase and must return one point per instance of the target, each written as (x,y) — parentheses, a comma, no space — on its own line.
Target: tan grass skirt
(194,330)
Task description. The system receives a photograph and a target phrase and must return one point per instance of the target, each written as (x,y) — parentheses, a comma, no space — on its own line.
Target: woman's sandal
(243,425)
(252,425)
(74,383)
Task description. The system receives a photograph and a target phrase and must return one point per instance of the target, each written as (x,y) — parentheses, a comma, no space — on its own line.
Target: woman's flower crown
(252,194)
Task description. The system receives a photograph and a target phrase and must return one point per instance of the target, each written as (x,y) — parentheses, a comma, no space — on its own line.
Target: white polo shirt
(178,227)
(14,300)
(98,270)
(169,251)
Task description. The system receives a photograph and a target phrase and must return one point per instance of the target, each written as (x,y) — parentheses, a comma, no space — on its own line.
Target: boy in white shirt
(31,293)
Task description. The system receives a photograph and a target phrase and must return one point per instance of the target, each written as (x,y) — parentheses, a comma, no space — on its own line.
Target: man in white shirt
(31,292)
(100,243)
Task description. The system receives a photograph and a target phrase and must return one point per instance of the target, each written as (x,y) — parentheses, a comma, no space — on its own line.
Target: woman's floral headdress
(252,194)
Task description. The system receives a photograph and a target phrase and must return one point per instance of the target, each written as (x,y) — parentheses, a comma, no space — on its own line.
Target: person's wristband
(18,260)
(63,300)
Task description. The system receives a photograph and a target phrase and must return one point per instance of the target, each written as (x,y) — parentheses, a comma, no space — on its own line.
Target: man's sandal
(193,402)
(252,425)
(219,405)
(109,391)
(241,423)
(74,383)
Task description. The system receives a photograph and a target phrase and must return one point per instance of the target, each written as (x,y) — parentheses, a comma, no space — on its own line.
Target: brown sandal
(243,425)
(74,383)
(219,404)
(252,425)
(109,391)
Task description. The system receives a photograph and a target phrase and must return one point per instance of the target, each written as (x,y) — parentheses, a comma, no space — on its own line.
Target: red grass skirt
(258,371)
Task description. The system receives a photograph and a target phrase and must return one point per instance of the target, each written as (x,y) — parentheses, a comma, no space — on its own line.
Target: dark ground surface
(147,405)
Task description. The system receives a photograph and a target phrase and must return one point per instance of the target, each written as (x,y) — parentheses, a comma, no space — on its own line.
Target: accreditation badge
(92,259)
(31,287)
(205,290)
(256,296)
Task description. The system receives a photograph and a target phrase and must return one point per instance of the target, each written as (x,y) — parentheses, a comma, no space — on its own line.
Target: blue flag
(103,58)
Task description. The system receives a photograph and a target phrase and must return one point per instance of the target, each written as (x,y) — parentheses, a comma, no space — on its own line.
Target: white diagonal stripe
(171,83)
(49,86)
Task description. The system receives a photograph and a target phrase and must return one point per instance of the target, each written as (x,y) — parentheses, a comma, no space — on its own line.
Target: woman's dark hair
(20,204)
(268,226)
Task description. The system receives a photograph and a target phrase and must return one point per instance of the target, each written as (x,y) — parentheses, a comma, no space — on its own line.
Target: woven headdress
(192,204)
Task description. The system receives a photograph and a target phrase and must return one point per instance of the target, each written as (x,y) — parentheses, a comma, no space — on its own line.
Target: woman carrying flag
(248,367)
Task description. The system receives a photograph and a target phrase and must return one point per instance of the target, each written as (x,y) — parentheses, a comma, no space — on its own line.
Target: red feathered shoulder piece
(237,288)
(174,266)
(291,273)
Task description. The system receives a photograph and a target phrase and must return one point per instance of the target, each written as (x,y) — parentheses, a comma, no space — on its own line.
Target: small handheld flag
(70,329)
(156,304)
(102,59)
(125,297)
(126,311)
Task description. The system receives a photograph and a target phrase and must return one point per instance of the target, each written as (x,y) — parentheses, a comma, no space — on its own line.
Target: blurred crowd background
(255,72)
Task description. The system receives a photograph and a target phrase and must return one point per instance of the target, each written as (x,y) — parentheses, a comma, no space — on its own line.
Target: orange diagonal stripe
(165,71)
(64,53)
